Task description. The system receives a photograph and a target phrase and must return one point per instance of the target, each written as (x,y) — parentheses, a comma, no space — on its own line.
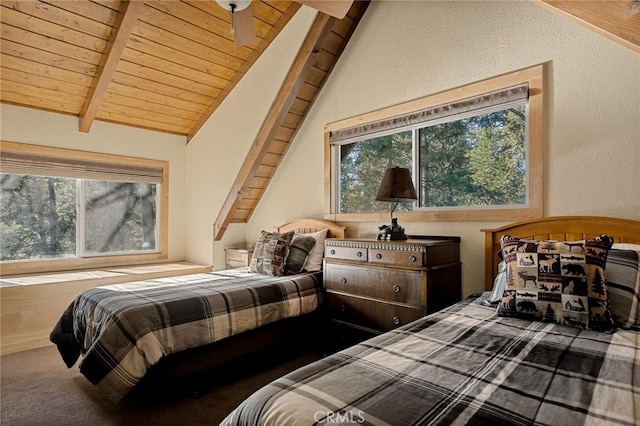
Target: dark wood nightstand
(374,286)
(237,257)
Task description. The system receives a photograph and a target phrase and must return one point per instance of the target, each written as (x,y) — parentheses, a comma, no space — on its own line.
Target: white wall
(407,50)
(61,131)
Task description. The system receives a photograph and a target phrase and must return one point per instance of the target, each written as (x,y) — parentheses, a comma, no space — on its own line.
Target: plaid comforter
(124,329)
(463,365)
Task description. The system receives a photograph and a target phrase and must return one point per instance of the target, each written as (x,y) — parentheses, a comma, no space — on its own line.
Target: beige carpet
(37,389)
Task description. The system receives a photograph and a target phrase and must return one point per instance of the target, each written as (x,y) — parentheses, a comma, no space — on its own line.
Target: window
(475,153)
(64,209)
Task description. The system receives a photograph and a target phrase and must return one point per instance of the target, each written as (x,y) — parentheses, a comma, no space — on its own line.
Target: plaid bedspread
(124,329)
(463,365)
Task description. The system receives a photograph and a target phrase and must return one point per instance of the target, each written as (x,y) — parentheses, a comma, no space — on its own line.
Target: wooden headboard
(561,228)
(304,226)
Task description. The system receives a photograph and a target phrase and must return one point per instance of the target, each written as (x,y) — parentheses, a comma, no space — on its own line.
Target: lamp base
(390,237)
(393,232)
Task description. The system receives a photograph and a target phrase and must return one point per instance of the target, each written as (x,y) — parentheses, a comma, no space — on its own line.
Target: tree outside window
(40,217)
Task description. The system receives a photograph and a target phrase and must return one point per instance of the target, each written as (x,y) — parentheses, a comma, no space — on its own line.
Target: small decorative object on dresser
(374,286)
(235,257)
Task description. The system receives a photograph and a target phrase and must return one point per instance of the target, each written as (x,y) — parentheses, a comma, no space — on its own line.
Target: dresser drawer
(396,257)
(370,313)
(346,253)
(385,284)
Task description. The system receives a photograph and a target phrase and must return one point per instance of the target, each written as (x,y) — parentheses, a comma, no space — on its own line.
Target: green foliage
(362,168)
(476,161)
(38,217)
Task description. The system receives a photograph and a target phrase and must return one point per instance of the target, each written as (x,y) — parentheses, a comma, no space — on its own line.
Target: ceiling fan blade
(335,8)
(243,30)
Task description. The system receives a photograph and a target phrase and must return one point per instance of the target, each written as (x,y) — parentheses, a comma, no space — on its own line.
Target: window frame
(109,259)
(533,76)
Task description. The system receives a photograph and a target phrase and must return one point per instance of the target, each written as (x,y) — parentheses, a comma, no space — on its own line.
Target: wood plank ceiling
(165,64)
(162,65)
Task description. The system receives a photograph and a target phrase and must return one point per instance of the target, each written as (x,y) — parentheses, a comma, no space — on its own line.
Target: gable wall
(406,50)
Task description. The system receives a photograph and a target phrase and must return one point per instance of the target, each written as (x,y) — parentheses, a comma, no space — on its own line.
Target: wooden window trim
(534,77)
(56,265)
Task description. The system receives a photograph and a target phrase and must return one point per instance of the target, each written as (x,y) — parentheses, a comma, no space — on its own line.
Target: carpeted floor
(37,389)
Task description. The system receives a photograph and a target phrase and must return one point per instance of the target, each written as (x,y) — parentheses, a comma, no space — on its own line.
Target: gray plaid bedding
(124,329)
(463,365)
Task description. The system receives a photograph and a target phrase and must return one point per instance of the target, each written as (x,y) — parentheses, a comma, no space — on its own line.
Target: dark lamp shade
(396,186)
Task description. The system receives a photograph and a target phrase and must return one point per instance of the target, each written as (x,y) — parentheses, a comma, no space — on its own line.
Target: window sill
(106,276)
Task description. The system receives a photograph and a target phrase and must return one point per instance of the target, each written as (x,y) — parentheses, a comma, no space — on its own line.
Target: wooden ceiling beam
(335,8)
(319,31)
(614,19)
(123,26)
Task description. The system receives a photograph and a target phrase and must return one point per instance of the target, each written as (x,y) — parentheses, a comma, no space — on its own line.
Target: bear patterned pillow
(557,281)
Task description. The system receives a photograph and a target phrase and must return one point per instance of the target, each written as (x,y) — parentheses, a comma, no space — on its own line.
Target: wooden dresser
(374,286)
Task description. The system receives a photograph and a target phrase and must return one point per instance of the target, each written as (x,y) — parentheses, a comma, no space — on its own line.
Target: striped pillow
(299,250)
(623,284)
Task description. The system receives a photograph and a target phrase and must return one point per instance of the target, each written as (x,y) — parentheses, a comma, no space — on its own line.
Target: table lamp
(396,186)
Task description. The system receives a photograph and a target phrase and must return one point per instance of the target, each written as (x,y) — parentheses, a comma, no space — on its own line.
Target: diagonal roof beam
(127,18)
(301,66)
(614,19)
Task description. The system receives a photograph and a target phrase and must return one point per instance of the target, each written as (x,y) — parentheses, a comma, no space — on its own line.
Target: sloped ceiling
(162,65)
(166,65)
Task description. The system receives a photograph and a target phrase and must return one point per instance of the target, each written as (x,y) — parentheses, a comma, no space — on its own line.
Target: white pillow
(499,283)
(314,260)
(626,246)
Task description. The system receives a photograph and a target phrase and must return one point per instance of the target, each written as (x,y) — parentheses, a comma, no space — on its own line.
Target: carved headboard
(304,226)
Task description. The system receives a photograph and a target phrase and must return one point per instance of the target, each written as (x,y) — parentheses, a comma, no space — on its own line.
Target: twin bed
(123,331)
(467,365)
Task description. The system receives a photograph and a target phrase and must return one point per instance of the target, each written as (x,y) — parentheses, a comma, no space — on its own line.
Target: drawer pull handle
(396,288)
(343,280)
(413,258)
(343,309)
(379,256)
(396,320)
(359,254)
(333,252)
